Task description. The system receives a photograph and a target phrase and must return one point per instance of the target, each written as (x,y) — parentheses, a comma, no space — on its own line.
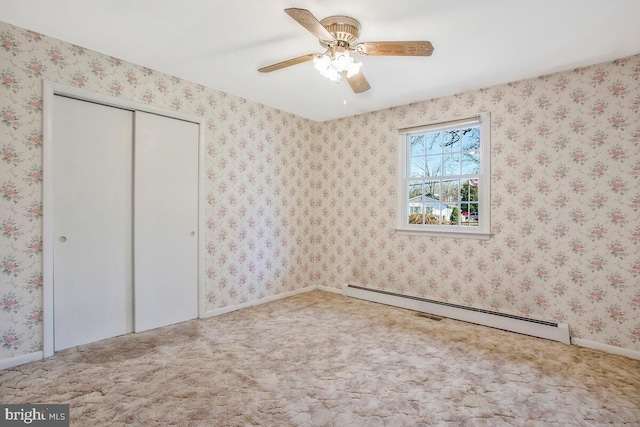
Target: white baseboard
(633,354)
(20,360)
(230,308)
(328,289)
(32,357)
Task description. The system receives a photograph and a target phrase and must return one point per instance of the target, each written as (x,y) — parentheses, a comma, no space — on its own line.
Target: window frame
(483,230)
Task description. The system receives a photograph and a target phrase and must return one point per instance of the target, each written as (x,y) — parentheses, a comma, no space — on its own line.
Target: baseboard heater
(508,322)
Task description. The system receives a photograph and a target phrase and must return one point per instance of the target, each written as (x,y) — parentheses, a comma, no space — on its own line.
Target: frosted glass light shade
(334,68)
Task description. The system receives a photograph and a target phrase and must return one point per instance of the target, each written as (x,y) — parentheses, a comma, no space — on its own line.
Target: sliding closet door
(92,213)
(166,221)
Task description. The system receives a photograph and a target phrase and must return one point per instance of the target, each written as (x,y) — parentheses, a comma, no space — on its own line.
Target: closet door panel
(166,221)
(92,214)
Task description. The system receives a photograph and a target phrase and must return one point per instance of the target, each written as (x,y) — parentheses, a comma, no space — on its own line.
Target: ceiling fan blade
(416,48)
(287,63)
(308,21)
(358,83)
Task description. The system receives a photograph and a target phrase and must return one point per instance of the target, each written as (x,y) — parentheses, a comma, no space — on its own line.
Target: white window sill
(462,234)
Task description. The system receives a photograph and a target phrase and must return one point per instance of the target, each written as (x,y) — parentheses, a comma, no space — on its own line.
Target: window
(443,179)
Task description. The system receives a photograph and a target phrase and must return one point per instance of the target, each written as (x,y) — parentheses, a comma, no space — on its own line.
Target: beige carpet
(320,359)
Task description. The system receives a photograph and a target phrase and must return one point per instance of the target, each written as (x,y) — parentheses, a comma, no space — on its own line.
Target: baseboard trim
(38,355)
(20,360)
(230,308)
(633,354)
(328,289)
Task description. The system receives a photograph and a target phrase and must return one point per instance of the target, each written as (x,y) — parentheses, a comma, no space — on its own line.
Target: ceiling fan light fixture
(322,63)
(339,35)
(333,67)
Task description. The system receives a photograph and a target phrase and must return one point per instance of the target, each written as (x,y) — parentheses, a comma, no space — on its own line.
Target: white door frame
(49,90)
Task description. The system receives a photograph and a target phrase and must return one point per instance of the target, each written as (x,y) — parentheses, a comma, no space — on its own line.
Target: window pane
(450,191)
(433,143)
(415,205)
(455,216)
(473,214)
(471,139)
(470,190)
(415,208)
(415,218)
(434,165)
(418,167)
(469,214)
(432,213)
(416,144)
(449,218)
(451,164)
(474,182)
(432,191)
(452,140)
(416,198)
(470,162)
(415,190)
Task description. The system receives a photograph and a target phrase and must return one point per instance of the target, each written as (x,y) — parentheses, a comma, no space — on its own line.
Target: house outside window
(444,179)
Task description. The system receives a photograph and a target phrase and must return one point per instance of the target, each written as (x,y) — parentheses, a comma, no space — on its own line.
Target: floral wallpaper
(291,203)
(256,172)
(565,196)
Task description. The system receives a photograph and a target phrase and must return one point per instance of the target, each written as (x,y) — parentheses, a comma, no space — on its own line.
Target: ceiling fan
(339,36)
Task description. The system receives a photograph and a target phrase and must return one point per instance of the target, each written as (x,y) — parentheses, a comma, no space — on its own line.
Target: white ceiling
(221,44)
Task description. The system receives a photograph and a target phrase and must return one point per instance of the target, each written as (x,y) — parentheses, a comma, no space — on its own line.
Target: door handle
(63,239)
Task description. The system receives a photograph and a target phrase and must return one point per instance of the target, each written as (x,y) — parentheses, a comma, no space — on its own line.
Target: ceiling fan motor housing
(345,29)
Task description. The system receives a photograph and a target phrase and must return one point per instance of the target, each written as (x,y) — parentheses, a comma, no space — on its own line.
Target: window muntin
(443,182)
